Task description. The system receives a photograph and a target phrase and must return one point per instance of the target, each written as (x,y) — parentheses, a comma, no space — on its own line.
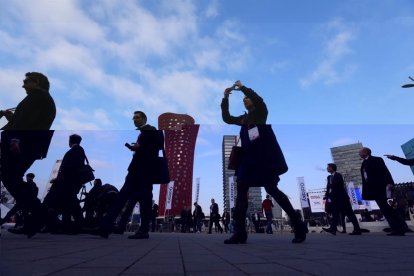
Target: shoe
(98,231)
(343,232)
(329,230)
(139,236)
(356,233)
(237,238)
(300,231)
(396,234)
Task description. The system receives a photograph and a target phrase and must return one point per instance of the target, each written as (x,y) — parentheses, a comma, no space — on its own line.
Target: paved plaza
(202,254)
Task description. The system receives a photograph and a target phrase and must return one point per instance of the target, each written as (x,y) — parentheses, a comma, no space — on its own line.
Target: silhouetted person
(225,218)
(214,217)
(62,197)
(338,197)
(185,217)
(37,110)
(198,217)
(139,180)
(91,199)
(408,162)
(32,189)
(25,138)
(154,215)
(267,206)
(376,180)
(260,164)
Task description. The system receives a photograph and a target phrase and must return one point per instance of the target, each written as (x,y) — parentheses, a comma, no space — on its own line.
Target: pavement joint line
(144,255)
(182,256)
(226,261)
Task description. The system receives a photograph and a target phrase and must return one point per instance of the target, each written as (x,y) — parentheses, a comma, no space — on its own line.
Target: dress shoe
(98,231)
(396,234)
(329,230)
(356,233)
(300,231)
(237,238)
(139,236)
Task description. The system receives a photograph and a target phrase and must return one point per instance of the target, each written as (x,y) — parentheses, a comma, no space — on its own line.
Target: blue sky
(317,64)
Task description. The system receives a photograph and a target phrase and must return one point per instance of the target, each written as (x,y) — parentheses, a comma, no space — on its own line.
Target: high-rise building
(348,162)
(276,210)
(180,138)
(255,193)
(408,149)
(228,142)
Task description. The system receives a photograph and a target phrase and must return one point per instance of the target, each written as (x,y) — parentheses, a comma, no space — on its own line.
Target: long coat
(142,165)
(335,190)
(375,178)
(262,159)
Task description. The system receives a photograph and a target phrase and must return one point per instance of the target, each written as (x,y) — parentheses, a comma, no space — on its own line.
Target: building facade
(180,138)
(348,162)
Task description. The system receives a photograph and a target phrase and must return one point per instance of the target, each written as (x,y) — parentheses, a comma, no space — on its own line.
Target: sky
(330,73)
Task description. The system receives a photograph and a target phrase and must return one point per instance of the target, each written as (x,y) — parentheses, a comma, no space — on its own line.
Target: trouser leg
(395,222)
(126,213)
(145,203)
(283,202)
(241,207)
(350,214)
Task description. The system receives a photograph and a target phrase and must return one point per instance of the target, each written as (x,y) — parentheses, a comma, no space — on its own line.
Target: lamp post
(409,85)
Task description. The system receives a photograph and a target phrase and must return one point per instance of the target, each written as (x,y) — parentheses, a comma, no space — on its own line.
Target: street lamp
(408,85)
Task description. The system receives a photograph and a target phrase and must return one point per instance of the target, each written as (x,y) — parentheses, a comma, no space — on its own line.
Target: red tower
(180,137)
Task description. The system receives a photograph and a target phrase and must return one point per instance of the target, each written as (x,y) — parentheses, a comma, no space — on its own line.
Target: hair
(30,175)
(98,181)
(142,114)
(333,166)
(75,139)
(368,150)
(41,79)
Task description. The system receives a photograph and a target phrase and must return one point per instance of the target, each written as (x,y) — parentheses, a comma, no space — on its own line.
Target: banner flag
(302,192)
(353,195)
(170,190)
(53,175)
(317,204)
(231,191)
(197,189)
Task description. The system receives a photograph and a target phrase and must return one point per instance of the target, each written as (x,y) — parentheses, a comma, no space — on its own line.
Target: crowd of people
(27,136)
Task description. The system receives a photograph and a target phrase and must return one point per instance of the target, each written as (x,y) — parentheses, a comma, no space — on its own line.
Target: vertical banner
(170,190)
(302,192)
(352,195)
(231,191)
(197,189)
(53,175)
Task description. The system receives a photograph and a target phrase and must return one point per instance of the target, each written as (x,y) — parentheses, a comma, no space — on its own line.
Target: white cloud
(128,56)
(331,68)
(77,119)
(212,9)
(11,85)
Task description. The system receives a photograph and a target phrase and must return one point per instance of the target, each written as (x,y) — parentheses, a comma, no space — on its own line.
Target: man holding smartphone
(138,182)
